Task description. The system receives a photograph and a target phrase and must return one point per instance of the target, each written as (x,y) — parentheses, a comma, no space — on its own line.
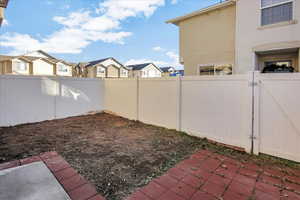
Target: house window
(21,66)
(212,70)
(123,72)
(100,70)
(283,66)
(62,68)
(144,73)
(275,11)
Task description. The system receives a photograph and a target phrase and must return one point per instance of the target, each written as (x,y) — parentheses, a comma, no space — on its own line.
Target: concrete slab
(30,182)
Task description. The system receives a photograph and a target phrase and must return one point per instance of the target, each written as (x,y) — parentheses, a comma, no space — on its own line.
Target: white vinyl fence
(257,112)
(25,99)
(218,108)
(278,115)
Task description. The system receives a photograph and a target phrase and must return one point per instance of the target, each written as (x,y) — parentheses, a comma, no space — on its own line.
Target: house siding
(16,71)
(113,71)
(250,34)
(208,39)
(41,67)
(59,73)
(150,71)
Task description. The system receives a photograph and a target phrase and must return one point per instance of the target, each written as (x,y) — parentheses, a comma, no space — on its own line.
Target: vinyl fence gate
(276,115)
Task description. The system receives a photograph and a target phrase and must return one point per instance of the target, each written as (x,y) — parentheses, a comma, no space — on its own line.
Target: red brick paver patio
(74,184)
(204,176)
(209,176)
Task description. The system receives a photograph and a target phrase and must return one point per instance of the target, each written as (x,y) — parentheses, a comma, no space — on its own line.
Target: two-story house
(168,71)
(145,70)
(105,68)
(237,36)
(35,63)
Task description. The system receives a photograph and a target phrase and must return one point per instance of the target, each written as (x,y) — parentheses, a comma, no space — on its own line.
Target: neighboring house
(180,72)
(147,70)
(3,5)
(35,63)
(240,36)
(80,70)
(168,71)
(106,68)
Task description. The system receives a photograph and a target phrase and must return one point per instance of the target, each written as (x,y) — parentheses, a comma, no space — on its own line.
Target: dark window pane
(277,14)
(265,3)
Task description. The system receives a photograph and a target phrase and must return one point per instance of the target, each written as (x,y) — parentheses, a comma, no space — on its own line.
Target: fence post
(1,95)
(57,94)
(179,103)
(256,113)
(254,87)
(137,98)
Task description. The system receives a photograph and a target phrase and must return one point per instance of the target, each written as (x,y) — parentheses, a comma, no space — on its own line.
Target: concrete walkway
(44,177)
(31,182)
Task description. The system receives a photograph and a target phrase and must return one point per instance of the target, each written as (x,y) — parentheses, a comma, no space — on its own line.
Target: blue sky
(132,31)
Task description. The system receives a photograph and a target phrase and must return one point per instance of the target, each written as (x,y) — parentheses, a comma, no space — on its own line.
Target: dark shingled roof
(92,63)
(166,69)
(138,66)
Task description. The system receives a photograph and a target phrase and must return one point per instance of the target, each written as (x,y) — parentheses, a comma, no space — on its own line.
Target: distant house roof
(29,58)
(202,11)
(41,52)
(33,58)
(3,57)
(96,62)
(141,66)
(166,69)
(138,66)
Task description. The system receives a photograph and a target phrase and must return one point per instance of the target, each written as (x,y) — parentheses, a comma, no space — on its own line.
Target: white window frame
(273,5)
(124,72)
(62,68)
(100,70)
(24,64)
(215,66)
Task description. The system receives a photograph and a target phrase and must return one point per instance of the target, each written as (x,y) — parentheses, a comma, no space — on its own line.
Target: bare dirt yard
(116,154)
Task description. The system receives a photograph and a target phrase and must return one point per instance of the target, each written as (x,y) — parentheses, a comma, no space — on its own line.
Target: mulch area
(115,154)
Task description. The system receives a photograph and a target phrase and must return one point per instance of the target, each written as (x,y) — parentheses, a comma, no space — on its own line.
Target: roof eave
(224,4)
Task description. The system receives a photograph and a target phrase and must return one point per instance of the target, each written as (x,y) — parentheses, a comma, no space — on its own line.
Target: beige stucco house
(105,68)
(146,70)
(238,36)
(35,63)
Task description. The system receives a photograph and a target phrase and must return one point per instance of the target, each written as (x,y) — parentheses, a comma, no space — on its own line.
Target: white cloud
(5,23)
(174,1)
(174,56)
(121,9)
(157,48)
(173,59)
(73,19)
(81,28)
